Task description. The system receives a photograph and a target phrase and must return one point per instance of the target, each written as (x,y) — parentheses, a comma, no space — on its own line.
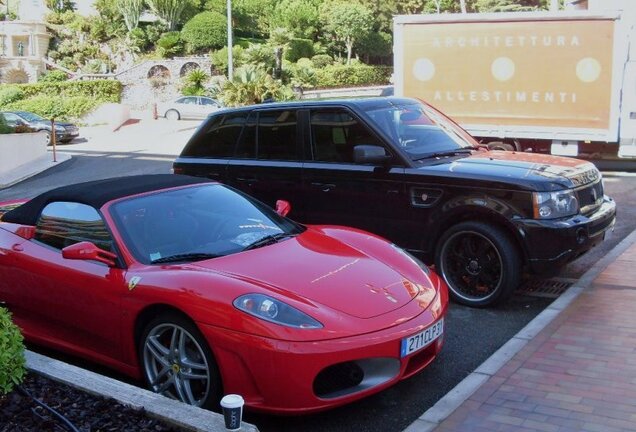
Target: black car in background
(401,169)
(64,132)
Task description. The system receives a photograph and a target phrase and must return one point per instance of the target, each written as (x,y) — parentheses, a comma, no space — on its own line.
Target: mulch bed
(88,413)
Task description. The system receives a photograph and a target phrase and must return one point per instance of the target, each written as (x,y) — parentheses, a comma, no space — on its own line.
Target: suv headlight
(272,310)
(553,205)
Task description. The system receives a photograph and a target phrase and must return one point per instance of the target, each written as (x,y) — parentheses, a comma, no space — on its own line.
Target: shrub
(353,75)
(321,60)
(251,86)
(11,353)
(10,94)
(100,90)
(53,76)
(62,108)
(205,31)
(170,44)
(299,48)
(194,83)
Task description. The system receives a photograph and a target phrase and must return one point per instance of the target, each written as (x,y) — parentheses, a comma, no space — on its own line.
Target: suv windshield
(195,223)
(421,131)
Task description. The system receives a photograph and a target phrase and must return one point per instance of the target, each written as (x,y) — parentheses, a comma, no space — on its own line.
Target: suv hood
(534,171)
(323,270)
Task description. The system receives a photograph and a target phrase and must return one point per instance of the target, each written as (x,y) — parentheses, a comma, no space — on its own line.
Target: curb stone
(160,407)
(444,407)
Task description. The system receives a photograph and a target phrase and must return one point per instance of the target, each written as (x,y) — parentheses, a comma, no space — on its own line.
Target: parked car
(189,107)
(401,169)
(199,289)
(64,132)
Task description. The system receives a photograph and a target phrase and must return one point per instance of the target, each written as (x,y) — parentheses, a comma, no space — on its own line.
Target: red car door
(74,302)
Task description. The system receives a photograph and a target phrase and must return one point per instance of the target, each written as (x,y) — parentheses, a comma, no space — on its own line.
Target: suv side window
(273,136)
(63,224)
(220,138)
(334,133)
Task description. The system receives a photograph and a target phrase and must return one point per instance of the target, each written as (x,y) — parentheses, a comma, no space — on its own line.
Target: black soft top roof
(97,193)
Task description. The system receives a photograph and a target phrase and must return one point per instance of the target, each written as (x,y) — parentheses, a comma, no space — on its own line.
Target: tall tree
(168,10)
(279,38)
(348,22)
(299,16)
(131,11)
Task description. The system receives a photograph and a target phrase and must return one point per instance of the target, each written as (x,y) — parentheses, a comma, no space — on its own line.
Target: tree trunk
(462,4)
(278,52)
(349,44)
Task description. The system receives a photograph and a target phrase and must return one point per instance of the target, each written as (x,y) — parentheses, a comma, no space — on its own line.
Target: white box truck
(559,82)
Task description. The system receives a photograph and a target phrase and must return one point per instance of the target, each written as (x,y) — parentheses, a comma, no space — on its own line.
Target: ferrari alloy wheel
(173,115)
(177,362)
(479,263)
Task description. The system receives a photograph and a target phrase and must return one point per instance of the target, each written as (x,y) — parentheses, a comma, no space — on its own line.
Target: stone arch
(16,76)
(188,67)
(159,71)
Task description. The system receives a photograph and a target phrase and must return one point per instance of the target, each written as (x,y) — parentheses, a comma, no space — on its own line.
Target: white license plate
(423,339)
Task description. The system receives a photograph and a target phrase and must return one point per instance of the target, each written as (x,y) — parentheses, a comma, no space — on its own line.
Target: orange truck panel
(529,73)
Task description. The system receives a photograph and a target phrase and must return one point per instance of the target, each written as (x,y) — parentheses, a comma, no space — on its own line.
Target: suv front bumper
(550,244)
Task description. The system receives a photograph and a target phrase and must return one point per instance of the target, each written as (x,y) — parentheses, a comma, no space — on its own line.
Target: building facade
(23,47)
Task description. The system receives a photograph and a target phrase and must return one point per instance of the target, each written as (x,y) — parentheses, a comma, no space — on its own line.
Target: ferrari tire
(173,115)
(479,263)
(177,362)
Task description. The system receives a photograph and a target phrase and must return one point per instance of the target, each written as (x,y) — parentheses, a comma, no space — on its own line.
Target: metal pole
(230,66)
(554,5)
(53,139)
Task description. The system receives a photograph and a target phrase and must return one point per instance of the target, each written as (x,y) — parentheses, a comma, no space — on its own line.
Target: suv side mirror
(370,154)
(283,207)
(88,251)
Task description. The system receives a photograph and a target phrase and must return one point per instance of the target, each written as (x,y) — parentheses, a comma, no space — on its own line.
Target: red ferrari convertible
(201,290)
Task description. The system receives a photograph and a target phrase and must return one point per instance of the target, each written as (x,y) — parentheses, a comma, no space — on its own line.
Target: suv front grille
(590,197)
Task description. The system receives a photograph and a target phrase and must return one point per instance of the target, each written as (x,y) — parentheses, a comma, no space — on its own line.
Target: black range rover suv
(401,169)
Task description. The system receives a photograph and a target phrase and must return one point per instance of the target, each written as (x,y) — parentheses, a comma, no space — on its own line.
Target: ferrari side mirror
(283,207)
(88,251)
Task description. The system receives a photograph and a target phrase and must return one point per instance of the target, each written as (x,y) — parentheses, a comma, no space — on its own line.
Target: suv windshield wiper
(455,152)
(196,256)
(268,239)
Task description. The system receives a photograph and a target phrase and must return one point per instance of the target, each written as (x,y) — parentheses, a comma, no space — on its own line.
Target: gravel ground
(88,413)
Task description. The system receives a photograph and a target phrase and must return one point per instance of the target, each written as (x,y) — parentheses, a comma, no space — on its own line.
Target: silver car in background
(188,107)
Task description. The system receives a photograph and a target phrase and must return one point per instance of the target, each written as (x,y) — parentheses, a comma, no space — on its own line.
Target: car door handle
(248,180)
(325,187)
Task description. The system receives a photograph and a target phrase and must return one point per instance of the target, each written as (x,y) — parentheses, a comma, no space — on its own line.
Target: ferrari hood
(323,270)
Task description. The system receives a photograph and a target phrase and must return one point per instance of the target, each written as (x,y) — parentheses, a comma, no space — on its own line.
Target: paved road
(472,335)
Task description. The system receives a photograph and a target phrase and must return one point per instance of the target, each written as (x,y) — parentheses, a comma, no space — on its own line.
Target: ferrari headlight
(553,205)
(272,310)
(413,258)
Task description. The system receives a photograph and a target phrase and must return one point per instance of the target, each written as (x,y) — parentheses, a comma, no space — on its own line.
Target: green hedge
(62,108)
(11,353)
(353,75)
(205,31)
(99,90)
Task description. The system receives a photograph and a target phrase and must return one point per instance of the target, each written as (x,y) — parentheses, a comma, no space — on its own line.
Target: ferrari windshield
(421,131)
(195,223)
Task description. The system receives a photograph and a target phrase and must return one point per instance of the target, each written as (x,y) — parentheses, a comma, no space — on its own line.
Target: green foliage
(52,76)
(352,75)
(246,41)
(194,83)
(12,363)
(10,93)
(205,31)
(376,44)
(154,31)
(63,108)
(303,74)
(508,5)
(99,90)
(59,5)
(168,10)
(321,60)
(131,11)
(251,86)
(4,128)
(170,44)
(347,21)
(299,48)
(219,58)
(298,16)
(252,17)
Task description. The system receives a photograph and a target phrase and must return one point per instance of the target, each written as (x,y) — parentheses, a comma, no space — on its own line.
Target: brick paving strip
(573,368)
